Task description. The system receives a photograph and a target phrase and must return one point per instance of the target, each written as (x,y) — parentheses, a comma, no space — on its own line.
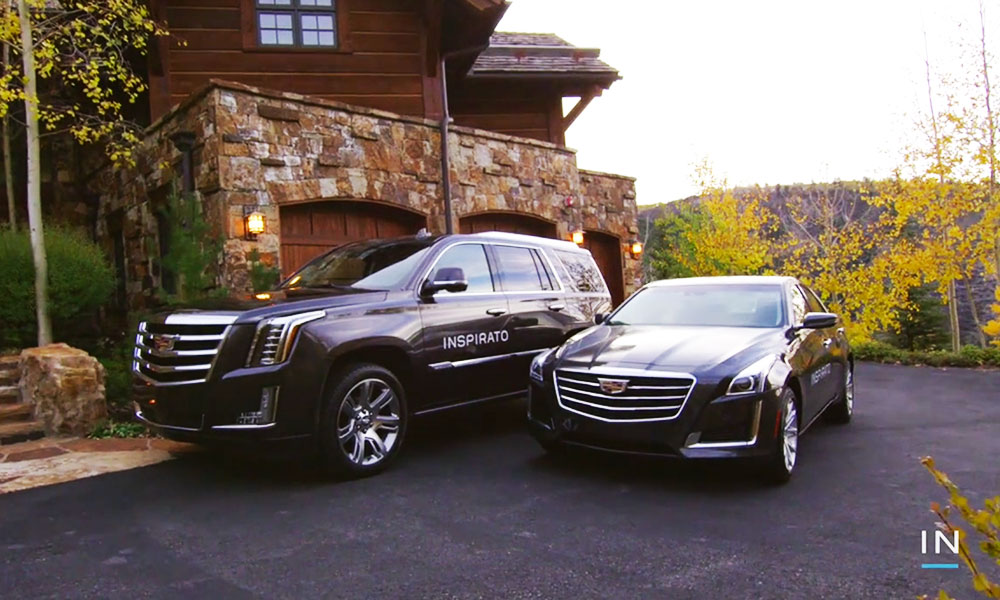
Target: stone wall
(264,149)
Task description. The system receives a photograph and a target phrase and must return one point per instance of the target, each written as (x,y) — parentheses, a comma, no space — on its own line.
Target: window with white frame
(302,23)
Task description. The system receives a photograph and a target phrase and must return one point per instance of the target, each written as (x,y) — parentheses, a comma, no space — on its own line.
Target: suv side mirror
(600,318)
(818,320)
(447,279)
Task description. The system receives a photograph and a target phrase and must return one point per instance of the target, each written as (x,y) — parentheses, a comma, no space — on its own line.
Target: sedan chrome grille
(630,396)
(181,350)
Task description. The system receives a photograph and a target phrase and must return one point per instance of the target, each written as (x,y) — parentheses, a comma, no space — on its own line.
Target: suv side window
(519,270)
(471,258)
(580,271)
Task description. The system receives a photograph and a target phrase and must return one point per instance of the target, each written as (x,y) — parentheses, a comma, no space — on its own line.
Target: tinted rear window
(579,271)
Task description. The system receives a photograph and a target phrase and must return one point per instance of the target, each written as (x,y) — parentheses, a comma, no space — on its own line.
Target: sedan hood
(687,349)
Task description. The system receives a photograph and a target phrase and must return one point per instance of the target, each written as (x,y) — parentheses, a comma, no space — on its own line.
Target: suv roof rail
(520,237)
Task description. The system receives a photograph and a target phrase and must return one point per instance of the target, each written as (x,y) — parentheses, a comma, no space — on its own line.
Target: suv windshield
(373,265)
(725,305)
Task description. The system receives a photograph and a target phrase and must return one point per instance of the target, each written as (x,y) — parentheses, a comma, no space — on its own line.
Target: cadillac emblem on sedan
(613,386)
(715,367)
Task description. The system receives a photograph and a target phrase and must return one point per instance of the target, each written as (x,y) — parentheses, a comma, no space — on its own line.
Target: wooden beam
(584,101)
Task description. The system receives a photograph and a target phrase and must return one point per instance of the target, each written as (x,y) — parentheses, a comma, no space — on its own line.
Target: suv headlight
(275,337)
(538,364)
(752,379)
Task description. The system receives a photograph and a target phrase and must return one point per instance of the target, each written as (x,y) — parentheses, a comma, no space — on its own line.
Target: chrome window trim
(755,427)
(626,372)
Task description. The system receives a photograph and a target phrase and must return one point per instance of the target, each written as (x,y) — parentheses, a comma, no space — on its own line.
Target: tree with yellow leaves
(76,77)
(734,235)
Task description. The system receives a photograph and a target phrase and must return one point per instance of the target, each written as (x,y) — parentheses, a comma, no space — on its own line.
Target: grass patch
(968,356)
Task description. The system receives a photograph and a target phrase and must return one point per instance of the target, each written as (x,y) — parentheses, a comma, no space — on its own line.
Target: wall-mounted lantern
(577,237)
(635,248)
(254,223)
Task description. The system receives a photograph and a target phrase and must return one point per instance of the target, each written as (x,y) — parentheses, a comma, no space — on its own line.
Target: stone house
(324,117)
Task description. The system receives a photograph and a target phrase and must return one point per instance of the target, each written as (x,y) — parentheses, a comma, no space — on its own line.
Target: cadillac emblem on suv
(163,343)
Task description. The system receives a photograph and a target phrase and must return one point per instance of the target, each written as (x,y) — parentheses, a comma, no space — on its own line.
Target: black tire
(351,417)
(777,468)
(842,410)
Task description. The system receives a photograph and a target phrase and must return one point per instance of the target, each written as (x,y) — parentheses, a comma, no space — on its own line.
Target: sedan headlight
(275,337)
(752,379)
(538,364)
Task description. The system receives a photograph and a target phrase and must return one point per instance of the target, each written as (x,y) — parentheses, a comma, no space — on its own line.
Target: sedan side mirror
(447,279)
(600,318)
(818,320)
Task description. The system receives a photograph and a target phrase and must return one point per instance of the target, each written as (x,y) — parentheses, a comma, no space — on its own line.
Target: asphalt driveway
(475,509)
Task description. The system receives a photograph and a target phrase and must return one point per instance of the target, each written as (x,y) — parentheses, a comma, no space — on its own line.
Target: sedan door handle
(496,312)
(557,306)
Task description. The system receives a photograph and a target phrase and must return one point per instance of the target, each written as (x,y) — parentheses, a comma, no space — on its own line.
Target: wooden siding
(522,109)
(509,222)
(308,230)
(607,252)
(378,64)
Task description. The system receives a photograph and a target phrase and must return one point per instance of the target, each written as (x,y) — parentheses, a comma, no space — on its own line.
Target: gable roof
(514,54)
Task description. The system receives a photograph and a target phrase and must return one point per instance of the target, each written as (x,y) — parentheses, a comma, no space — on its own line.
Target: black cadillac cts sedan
(715,367)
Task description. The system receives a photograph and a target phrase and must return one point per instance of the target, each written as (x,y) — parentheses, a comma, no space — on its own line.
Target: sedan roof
(724,280)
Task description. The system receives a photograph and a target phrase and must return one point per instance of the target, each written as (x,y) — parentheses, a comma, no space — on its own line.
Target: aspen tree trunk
(8,168)
(956,333)
(34,184)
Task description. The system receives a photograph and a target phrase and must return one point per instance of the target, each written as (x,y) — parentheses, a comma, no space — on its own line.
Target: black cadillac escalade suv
(364,337)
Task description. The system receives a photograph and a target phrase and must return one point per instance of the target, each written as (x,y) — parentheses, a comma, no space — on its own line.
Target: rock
(66,387)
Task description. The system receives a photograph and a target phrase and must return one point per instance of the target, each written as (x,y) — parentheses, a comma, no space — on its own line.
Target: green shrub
(118,429)
(117,361)
(969,356)
(80,281)
(262,277)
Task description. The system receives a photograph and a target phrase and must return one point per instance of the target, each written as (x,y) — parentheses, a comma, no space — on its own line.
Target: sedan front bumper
(708,426)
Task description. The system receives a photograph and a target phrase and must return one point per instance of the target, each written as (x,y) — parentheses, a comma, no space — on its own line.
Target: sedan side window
(799,305)
(519,270)
(471,258)
(815,304)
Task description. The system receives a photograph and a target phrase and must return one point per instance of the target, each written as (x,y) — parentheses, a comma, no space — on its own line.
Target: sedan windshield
(724,305)
(374,265)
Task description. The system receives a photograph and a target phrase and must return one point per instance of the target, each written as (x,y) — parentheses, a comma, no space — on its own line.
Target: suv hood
(283,302)
(686,349)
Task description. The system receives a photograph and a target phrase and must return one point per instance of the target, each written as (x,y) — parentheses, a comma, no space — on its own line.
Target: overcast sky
(768,91)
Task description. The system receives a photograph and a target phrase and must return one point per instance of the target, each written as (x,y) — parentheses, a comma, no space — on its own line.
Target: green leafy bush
(969,356)
(118,429)
(190,266)
(263,278)
(117,361)
(80,281)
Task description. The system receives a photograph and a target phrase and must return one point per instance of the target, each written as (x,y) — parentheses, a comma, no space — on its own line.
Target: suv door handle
(557,306)
(496,312)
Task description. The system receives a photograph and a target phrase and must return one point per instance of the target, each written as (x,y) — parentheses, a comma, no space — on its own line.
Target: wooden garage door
(511,223)
(607,252)
(308,230)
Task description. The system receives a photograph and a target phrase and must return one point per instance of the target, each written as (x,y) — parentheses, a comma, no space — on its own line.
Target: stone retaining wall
(264,149)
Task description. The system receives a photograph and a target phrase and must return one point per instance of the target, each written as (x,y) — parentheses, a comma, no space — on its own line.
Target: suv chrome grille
(181,350)
(638,396)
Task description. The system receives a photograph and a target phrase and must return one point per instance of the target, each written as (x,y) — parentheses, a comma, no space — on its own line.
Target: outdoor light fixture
(577,237)
(635,247)
(254,222)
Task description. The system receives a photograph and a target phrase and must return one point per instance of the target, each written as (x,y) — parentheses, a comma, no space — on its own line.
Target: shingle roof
(538,53)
